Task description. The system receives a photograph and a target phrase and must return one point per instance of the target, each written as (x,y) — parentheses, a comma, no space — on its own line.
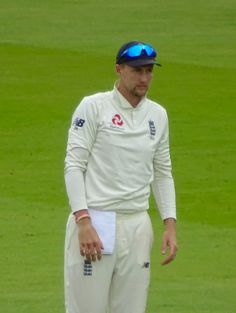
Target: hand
(90,244)
(169,240)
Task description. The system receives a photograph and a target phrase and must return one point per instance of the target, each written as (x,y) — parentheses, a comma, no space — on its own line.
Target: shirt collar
(123,102)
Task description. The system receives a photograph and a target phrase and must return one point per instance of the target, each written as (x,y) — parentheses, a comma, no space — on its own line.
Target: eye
(150,69)
(138,69)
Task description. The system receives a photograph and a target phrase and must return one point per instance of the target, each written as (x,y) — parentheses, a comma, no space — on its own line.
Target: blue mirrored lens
(138,50)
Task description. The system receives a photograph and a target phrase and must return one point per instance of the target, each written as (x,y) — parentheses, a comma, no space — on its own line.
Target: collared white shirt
(116,152)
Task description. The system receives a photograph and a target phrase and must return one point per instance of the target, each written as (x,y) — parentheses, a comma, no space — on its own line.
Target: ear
(118,68)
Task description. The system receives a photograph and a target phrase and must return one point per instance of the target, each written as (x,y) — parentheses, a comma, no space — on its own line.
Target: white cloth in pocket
(105,224)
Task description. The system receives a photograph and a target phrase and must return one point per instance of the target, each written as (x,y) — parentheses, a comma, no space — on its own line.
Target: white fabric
(119,282)
(105,224)
(76,189)
(121,151)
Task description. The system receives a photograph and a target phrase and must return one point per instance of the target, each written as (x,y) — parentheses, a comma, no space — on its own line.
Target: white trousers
(119,282)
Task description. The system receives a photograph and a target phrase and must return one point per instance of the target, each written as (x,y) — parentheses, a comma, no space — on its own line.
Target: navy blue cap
(141,60)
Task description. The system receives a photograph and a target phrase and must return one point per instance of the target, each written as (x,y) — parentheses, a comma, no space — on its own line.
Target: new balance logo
(88,268)
(78,122)
(146,265)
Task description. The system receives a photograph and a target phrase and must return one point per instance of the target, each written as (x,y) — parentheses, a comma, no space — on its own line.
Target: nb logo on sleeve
(78,122)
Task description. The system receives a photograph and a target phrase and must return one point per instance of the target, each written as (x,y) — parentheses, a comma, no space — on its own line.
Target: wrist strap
(82,216)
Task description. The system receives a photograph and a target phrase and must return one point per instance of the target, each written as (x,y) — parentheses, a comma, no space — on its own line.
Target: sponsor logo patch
(78,122)
(116,120)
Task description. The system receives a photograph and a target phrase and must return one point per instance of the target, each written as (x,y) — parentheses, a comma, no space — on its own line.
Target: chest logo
(116,120)
(152,129)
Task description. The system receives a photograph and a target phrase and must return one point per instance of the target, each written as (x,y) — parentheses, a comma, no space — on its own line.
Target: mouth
(142,86)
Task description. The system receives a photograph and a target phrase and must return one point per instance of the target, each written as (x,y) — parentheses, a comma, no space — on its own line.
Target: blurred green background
(52,53)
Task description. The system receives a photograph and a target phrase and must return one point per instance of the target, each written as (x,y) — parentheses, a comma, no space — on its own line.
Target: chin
(141,93)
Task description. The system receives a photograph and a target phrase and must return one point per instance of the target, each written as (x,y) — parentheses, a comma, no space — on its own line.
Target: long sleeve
(163,183)
(80,141)
(74,178)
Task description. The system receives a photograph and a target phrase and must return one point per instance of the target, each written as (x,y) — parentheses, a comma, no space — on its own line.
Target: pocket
(144,241)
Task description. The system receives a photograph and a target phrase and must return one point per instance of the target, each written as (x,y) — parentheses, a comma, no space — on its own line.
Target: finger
(166,260)
(88,252)
(163,247)
(98,246)
(85,249)
(173,250)
(99,256)
(99,253)
(95,254)
(94,257)
(88,256)
(82,250)
(169,259)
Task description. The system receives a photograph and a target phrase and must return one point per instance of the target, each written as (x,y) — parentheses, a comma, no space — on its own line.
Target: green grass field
(52,53)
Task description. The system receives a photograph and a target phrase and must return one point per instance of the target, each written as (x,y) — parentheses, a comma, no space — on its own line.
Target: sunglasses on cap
(139,50)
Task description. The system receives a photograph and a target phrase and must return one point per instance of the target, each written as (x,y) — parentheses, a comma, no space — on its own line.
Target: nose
(145,76)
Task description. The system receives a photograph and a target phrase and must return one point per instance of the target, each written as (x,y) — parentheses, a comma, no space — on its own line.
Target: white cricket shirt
(116,152)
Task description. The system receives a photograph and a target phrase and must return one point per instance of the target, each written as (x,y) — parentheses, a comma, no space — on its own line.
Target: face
(134,81)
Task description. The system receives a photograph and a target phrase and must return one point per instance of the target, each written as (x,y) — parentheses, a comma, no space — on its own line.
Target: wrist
(170,222)
(85,221)
(81,215)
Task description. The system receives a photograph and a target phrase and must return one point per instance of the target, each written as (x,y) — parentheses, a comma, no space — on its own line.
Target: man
(117,148)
